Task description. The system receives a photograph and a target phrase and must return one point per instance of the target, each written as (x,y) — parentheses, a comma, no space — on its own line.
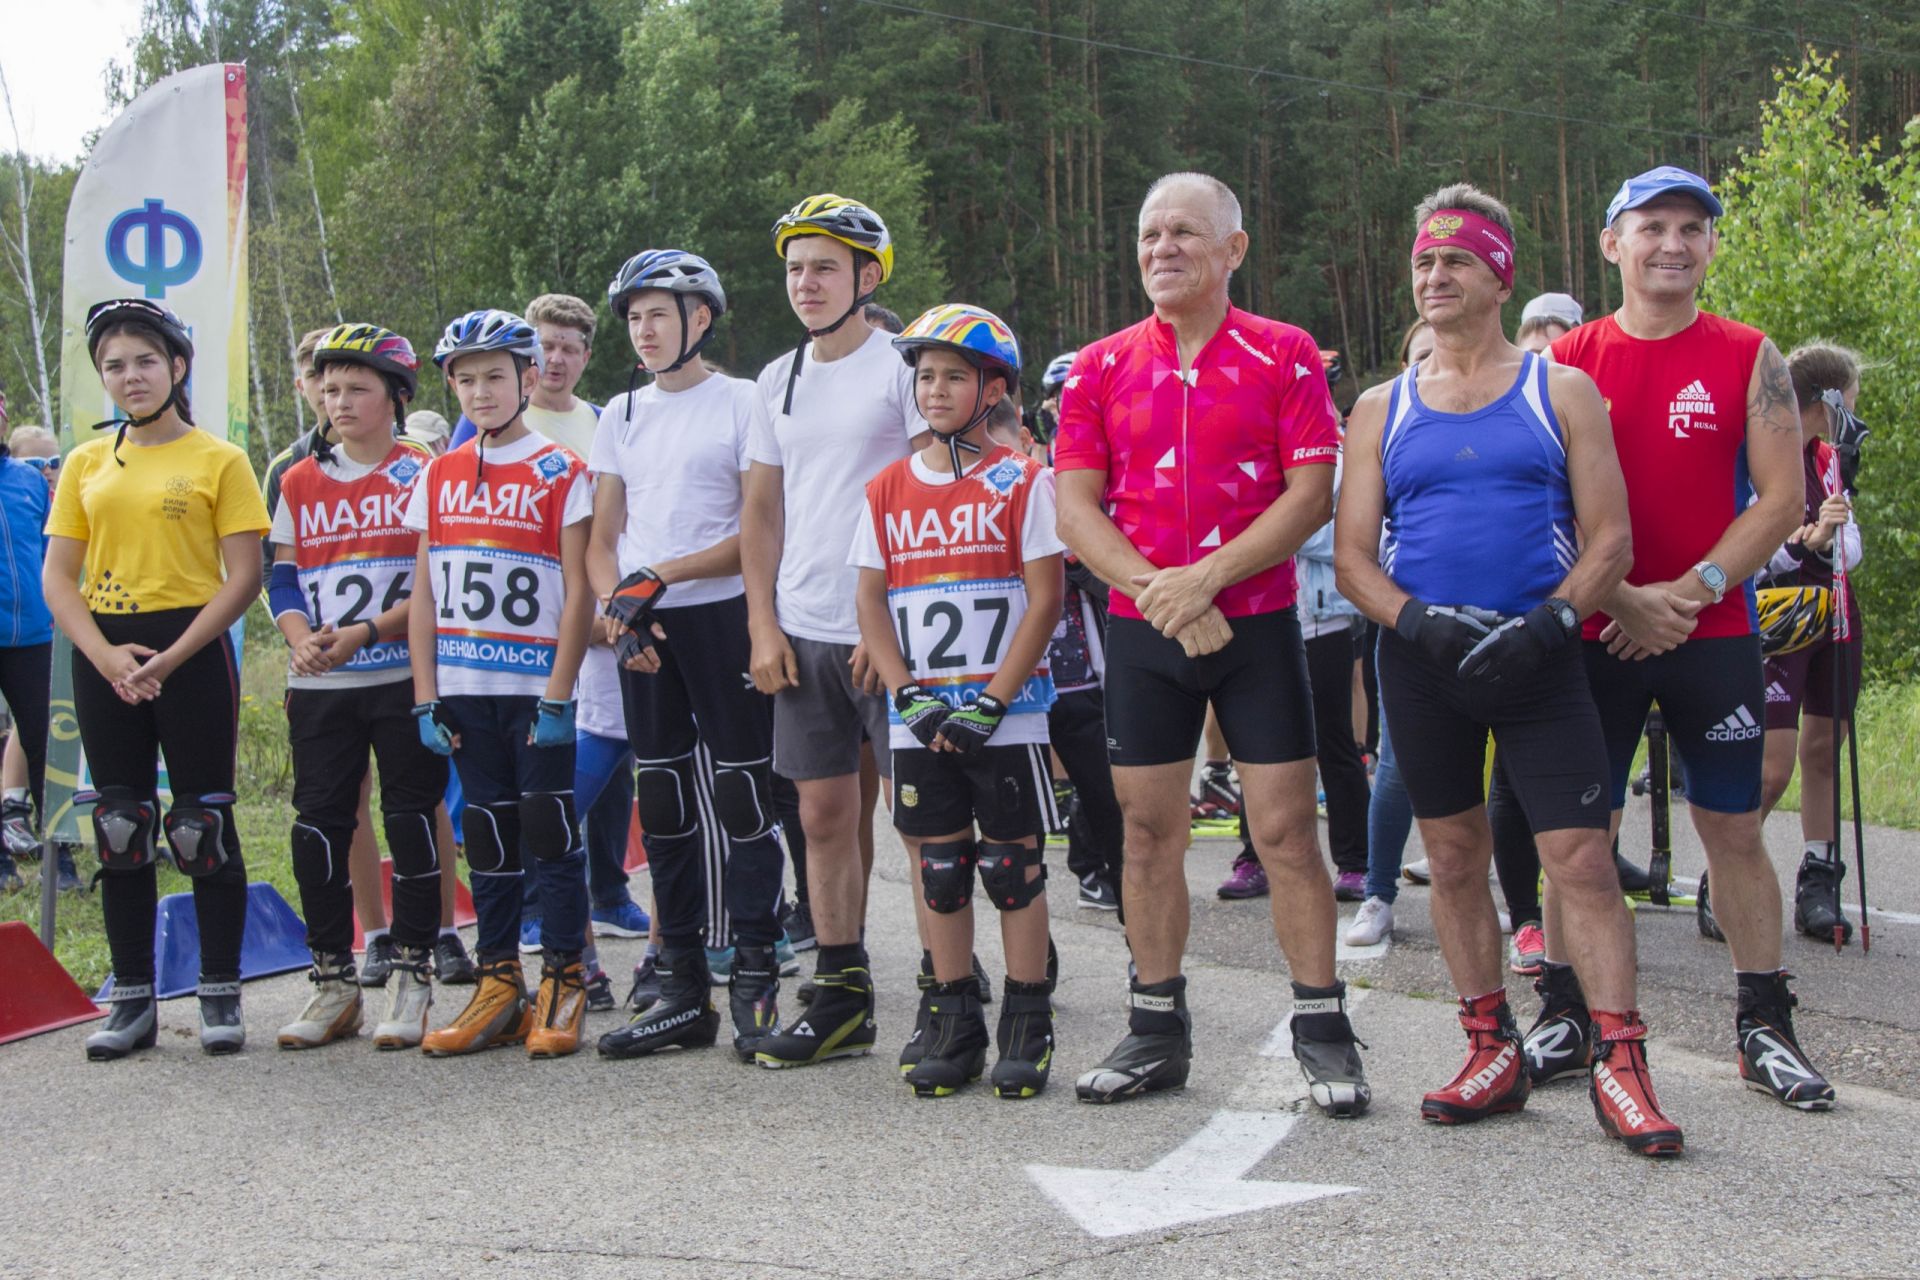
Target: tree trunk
(1052,156)
(20,258)
(1099,264)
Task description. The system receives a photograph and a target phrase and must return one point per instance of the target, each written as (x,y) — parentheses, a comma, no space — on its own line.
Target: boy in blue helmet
(498,623)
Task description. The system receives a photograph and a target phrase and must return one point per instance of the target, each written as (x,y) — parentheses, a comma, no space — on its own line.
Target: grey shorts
(817,727)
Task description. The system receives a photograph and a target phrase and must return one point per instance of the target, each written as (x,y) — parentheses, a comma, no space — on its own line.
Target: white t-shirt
(680,459)
(851,417)
(1038,539)
(598,709)
(574,428)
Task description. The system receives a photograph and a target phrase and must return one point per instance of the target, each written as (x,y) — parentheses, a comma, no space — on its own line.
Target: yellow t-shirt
(153,527)
(574,428)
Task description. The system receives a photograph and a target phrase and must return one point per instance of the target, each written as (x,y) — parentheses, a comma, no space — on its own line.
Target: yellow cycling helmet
(1793,618)
(837,218)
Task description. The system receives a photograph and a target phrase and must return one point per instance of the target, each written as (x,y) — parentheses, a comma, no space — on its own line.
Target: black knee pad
(663,793)
(319,855)
(197,831)
(547,824)
(124,824)
(743,798)
(493,837)
(946,875)
(410,842)
(1003,874)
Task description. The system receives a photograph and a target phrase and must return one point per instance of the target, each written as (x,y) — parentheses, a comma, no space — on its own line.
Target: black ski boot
(1703,915)
(1771,1059)
(1025,1041)
(1157,1052)
(753,994)
(133,1022)
(838,1024)
(956,1041)
(1328,1054)
(916,1045)
(684,1016)
(1816,898)
(222,1030)
(1556,1046)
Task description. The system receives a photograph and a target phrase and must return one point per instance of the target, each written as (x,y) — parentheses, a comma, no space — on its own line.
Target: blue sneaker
(627,920)
(529,936)
(719,965)
(784,954)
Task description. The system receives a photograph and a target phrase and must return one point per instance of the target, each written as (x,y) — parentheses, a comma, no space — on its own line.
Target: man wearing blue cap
(1704,419)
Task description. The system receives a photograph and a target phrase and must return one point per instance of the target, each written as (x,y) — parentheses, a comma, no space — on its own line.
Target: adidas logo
(1777,692)
(1691,410)
(1738,727)
(1466,454)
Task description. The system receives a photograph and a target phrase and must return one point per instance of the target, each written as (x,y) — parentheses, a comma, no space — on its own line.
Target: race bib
(954,636)
(347,593)
(496,610)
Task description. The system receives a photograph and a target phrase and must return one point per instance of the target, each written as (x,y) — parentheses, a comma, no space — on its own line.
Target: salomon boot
(1816,899)
(405,1025)
(1771,1059)
(956,1038)
(682,1018)
(496,1013)
(1328,1054)
(838,1024)
(1494,1080)
(753,998)
(333,1010)
(133,1022)
(1157,1052)
(1556,1045)
(1025,1041)
(221,1029)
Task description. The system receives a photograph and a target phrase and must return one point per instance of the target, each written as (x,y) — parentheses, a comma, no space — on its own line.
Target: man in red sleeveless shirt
(1704,415)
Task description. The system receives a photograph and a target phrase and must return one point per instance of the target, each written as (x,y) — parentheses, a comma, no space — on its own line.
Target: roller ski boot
(1327,1051)
(1771,1059)
(222,1030)
(682,1018)
(1157,1052)
(560,1008)
(916,1045)
(1816,899)
(1024,1039)
(1494,1080)
(133,1023)
(497,1013)
(838,1024)
(956,1041)
(753,998)
(333,1010)
(1556,1046)
(1622,1091)
(409,999)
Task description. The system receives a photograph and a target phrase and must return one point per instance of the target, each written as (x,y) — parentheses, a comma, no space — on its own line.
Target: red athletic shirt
(1190,464)
(1679,410)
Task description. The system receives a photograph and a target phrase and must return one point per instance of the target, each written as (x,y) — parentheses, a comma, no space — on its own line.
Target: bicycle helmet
(980,338)
(160,323)
(490,330)
(1056,373)
(684,275)
(1793,618)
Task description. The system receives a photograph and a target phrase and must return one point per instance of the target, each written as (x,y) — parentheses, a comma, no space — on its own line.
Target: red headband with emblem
(1465,229)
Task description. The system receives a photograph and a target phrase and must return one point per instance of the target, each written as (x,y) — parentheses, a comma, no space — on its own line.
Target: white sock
(374,935)
(450,932)
(1821,849)
(16,793)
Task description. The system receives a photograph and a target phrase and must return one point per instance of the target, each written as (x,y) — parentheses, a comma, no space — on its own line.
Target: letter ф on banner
(159,211)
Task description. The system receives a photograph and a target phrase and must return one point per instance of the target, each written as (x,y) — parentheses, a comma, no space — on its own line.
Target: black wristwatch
(1565,614)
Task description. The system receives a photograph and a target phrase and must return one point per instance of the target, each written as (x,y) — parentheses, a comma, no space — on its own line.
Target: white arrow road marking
(1202,1178)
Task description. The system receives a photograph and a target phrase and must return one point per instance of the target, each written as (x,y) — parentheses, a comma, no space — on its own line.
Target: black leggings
(26,678)
(1516,860)
(1342,772)
(194,724)
(1077,726)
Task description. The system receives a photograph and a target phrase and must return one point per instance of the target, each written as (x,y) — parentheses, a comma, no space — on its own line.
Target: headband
(1465,229)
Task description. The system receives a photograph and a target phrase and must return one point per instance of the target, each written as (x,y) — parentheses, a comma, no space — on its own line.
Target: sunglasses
(43,464)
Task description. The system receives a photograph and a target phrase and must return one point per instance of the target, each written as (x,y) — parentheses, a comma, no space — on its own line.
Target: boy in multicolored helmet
(342,574)
(498,625)
(960,588)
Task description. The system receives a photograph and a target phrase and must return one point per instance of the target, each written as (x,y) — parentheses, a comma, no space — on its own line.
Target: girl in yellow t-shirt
(153,553)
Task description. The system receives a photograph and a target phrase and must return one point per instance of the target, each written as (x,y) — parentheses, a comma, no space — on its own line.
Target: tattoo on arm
(1773,391)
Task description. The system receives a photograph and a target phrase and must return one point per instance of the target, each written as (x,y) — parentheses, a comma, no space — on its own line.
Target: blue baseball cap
(1655,183)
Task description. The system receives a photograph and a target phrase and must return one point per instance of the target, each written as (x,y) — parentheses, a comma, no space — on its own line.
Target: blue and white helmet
(1057,370)
(674,270)
(489,330)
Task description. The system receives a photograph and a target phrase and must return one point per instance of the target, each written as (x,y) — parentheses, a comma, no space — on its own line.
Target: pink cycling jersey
(1192,460)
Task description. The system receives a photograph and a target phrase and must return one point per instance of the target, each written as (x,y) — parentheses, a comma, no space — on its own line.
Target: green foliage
(1822,240)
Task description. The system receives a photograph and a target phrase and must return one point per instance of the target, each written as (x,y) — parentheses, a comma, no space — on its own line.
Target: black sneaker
(1556,1045)
(1816,900)
(10,881)
(645,992)
(452,966)
(1097,894)
(916,1045)
(1157,1052)
(753,997)
(378,966)
(956,1041)
(600,993)
(1771,1060)
(1328,1053)
(838,1024)
(683,1017)
(66,875)
(1703,913)
(798,922)
(1025,1041)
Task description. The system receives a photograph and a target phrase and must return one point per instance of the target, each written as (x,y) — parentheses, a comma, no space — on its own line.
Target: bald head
(1202,190)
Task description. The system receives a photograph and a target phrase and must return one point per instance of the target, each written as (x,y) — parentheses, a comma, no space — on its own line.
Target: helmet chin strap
(484,434)
(173,398)
(686,353)
(799,353)
(955,444)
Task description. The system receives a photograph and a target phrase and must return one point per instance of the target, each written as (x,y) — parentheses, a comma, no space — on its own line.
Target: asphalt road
(346,1162)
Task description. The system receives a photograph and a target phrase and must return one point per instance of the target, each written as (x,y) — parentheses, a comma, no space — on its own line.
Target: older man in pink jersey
(1195,455)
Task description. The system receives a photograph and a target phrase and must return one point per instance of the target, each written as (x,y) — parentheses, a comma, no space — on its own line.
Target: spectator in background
(29,462)
(1545,319)
(429,430)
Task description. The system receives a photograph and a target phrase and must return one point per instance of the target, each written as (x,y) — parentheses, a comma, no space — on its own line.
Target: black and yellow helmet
(382,350)
(837,218)
(1793,618)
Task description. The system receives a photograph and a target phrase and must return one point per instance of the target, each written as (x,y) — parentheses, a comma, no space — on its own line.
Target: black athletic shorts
(1157,696)
(1547,729)
(1713,697)
(1007,791)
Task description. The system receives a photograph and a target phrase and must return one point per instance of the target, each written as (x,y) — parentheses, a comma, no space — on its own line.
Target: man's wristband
(373,632)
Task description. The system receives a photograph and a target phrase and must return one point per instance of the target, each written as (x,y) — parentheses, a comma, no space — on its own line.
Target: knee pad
(319,856)
(410,843)
(946,875)
(663,792)
(124,823)
(493,838)
(743,798)
(196,834)
(1003,873)
(547,824)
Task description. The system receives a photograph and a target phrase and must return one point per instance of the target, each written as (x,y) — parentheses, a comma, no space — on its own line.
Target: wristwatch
(1564,614)
(1713,577)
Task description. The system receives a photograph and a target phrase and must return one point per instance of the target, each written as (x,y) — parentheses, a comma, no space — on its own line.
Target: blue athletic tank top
(1479,508)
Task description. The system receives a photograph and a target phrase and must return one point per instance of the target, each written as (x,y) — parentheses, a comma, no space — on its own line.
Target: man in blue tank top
(1505,521)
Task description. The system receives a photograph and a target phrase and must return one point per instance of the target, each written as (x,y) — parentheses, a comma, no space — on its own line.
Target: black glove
(1517,647)
(631,605)
(968,729)
(1444,632)
(921,712)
